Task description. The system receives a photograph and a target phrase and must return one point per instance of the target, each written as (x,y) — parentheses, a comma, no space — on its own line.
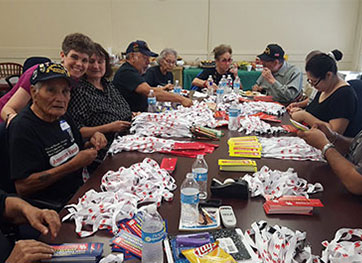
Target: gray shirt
(288,84)
(355,152)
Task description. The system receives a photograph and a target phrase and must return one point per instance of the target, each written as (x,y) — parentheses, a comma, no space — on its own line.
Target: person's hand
(85,157)
(118,126)
(257,88)
(168,87)
(299,115)
(43,220)
(234,69)
(292,105)
(314,137)
(98,140)
(293,110)
(326,129)
(213,86)
(27,251)
(135,114)
(186,102)
(267,75)
(9,118)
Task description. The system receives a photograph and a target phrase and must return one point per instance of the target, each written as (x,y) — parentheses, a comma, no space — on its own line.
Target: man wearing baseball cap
(279,79)
(132,85)
(45,147)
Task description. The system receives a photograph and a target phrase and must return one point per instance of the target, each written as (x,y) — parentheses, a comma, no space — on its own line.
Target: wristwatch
(326,147)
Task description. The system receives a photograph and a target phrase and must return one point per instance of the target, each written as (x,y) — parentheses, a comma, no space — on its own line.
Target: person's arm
(288,90)
(338,125)
(41,180)
(199,83)
(300,104)
(162,95)
(16,103)
(115,126)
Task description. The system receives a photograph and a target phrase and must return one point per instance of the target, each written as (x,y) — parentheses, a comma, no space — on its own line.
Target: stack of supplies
(76,252)
(247,146)
(237,165)
(299,205)
(201,132)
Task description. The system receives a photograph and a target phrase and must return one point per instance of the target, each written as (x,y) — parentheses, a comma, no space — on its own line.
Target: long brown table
(342,209)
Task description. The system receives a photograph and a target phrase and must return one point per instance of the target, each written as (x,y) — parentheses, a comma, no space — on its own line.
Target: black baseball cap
(140,46)
(272,52)
(49,70)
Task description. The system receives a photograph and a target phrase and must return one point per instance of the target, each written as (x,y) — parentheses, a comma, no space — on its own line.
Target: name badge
(64,125)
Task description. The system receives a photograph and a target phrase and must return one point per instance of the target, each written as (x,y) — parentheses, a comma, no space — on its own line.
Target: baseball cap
(49,70)
(140,46)
(272,52)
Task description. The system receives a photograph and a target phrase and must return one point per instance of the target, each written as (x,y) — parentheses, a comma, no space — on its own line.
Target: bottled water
(210,90)
(151,102)
(233,116)
(229,84)
(152,235)
(220,90)
(189,201)
(236,86)
(200,169)
(177,88)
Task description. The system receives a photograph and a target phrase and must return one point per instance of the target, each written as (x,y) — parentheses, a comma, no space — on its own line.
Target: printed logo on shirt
(64,155)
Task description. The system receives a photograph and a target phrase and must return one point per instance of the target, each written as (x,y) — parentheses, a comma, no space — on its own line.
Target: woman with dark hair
(96,105)
(223,66)
(335,102)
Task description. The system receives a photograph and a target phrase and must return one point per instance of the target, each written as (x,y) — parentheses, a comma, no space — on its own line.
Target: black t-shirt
(341,104)
(204,75)
(36,145)
(5,245)
(126,80)
(154,77)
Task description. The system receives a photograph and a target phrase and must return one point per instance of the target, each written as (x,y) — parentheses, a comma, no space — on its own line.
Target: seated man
(132,85)
(279,79)
(45,147)
(16,210)
(343,154)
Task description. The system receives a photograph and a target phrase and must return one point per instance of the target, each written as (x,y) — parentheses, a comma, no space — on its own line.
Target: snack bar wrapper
(208,253)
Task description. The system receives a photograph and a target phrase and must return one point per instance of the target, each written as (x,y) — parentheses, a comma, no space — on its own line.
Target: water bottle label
(177,90)
(236,85)
(233,113)
(220,91)
(190,199)
(153,237)
(151,101)
(200,177)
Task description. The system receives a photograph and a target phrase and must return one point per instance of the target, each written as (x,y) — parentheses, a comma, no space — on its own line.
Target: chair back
(8,69)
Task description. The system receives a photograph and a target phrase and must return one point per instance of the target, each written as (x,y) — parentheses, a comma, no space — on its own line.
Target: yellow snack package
(208,253)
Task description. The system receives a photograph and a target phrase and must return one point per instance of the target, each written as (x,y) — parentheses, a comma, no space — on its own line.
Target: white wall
(192,27)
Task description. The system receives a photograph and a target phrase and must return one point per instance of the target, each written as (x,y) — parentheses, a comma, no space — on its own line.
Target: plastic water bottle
(153,233)
(200,169)
(177,88)
(229,84)
(151,102)
(236,86)
(189,201)
(210,82)
(220,90)
(233,116)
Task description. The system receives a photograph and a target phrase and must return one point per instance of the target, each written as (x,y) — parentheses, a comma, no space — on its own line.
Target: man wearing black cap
(132,85)
(45,147)
(279,79)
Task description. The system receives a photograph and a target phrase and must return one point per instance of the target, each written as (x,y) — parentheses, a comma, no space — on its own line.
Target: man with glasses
(279,79)
(132,85)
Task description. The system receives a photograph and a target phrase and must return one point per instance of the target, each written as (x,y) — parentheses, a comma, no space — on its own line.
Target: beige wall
(192,27)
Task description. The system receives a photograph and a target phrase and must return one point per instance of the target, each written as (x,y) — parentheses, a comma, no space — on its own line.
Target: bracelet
(326,147)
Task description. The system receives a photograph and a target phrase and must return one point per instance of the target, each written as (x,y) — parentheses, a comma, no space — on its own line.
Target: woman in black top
(96,105)
(335,103)
(223,66)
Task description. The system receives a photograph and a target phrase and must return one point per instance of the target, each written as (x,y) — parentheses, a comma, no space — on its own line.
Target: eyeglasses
(226,60)
(170,62)
(314,83)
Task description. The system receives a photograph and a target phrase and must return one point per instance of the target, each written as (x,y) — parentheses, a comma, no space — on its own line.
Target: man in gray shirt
(279,79)
(343,154)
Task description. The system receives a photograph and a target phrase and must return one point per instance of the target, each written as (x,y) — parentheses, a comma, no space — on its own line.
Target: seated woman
(96,105)
(46,150)
(19,95)
(161,75)
(223,66)
(335,102)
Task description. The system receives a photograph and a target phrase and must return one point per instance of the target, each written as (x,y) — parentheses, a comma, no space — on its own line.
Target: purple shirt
(24,82)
